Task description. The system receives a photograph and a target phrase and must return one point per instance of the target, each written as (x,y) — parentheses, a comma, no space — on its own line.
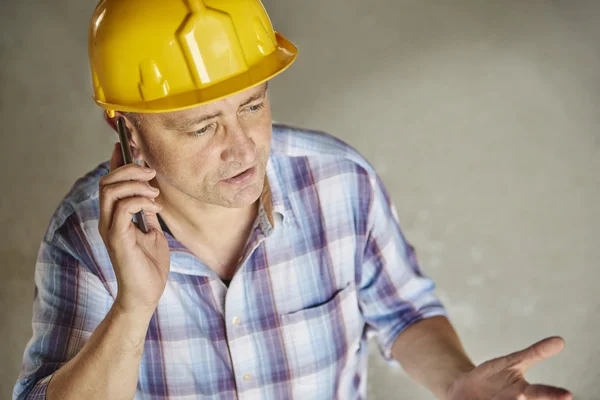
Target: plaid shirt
(325,268)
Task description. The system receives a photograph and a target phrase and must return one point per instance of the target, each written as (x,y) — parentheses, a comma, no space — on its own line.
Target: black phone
(140,218)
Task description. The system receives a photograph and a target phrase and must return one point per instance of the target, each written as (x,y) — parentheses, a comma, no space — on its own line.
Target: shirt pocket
(323,334)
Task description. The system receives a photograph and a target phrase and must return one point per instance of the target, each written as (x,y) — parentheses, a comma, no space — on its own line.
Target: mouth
(242,176)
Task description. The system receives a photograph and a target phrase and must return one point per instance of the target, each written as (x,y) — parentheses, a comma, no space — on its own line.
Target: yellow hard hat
(164,55)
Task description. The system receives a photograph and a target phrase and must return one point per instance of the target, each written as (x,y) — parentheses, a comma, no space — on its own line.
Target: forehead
(225,105)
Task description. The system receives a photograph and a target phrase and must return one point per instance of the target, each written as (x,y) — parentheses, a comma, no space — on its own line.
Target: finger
(110,194)
(543,392)
(126,209)
(129,172)
(535,353)
(116,159)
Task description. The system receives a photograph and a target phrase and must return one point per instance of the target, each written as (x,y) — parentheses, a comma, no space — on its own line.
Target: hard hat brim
(278,61)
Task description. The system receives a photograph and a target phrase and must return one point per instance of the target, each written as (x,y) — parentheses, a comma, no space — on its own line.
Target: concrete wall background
(482,118)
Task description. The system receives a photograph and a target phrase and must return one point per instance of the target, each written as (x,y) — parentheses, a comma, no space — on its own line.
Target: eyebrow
(185,124)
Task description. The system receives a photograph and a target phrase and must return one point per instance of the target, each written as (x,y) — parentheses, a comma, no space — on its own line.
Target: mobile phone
(140,218)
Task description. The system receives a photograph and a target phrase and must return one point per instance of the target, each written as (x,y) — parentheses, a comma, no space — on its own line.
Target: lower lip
(244,177)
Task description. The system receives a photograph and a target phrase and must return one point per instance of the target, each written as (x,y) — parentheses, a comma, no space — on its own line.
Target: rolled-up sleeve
(393,292)
(69,303)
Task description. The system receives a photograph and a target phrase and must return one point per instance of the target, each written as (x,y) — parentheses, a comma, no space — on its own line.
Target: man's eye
(256,107)
(202,131)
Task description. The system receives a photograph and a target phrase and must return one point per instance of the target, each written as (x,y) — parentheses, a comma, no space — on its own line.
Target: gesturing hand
(503,378)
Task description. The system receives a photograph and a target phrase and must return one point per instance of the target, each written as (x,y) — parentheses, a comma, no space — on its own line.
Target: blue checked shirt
(326,267)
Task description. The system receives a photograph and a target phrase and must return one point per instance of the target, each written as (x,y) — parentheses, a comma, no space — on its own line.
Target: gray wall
(481,116)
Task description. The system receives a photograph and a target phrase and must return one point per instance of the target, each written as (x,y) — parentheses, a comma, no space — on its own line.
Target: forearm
(107,366)
(431,353)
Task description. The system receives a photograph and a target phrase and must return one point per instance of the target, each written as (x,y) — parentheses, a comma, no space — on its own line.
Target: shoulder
(321,151)
(321,173)
(70,223)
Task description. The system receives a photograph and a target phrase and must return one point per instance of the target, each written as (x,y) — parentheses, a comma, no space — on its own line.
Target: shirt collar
(274,198)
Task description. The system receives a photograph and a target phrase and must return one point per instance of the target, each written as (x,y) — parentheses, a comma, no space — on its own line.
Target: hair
(135,118)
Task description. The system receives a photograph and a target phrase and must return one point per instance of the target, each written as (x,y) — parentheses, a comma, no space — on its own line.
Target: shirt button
(236,320)
(247,377)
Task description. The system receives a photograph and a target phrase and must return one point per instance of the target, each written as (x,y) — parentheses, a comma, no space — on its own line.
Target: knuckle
(107,177)
(511,359)
(106,191)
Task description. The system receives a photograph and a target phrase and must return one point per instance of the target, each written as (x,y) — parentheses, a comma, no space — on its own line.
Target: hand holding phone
(140,218)
(141,260)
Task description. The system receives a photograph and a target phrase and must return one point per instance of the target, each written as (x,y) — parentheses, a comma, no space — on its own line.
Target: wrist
(133,314)
(130,327)
(456,380)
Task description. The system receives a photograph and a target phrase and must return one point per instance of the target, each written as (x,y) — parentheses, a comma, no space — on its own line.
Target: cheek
(155,154)
(200,164)
(262,135)
(179,161)
(263,139)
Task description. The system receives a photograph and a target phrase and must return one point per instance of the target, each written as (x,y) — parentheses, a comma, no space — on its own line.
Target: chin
(244,197)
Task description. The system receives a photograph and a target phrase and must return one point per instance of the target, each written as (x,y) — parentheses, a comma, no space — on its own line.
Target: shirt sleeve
(393,292)
(69,303)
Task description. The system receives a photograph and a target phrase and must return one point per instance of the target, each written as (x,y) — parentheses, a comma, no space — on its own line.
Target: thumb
(152,222)
(542,350)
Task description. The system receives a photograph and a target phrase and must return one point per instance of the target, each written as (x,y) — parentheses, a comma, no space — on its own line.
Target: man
(272,252)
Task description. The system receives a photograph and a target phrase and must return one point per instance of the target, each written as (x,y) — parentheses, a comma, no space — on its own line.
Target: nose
(242,149)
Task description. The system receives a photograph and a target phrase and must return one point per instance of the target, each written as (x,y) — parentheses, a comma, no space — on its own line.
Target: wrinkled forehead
(183,120)
(231,104)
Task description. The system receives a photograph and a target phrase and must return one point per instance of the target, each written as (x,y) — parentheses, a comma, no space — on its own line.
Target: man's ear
(112,122)
(131,130)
